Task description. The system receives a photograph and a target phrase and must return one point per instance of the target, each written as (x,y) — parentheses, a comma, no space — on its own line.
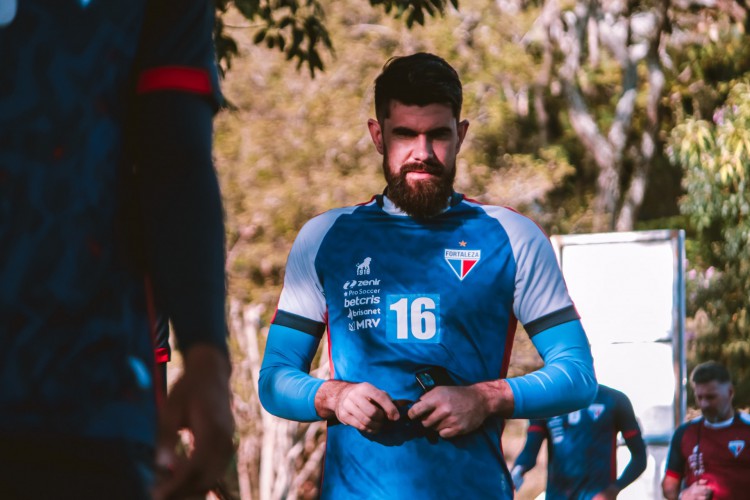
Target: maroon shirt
(717,453)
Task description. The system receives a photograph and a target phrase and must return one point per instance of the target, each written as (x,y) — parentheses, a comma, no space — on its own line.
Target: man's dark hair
(708,372)
(419,79)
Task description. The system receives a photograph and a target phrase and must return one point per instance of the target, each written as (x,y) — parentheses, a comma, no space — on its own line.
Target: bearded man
(419,344)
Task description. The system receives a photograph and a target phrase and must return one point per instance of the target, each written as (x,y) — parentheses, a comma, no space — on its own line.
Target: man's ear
(376,133)
(463,126)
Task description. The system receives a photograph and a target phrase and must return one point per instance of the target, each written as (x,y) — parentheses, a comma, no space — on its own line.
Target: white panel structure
(629,290)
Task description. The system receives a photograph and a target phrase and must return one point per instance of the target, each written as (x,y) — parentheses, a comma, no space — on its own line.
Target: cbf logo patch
(736,447)
(462,261)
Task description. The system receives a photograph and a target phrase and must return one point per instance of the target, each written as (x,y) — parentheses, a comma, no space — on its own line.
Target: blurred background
(589,117)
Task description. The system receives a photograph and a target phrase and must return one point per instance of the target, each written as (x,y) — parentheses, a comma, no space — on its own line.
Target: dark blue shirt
(76,352)
(582,447)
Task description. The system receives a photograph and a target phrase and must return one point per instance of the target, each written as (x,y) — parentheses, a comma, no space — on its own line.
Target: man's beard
(424,198)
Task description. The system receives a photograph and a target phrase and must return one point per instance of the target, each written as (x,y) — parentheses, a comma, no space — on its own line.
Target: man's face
(714,400)
(419,145)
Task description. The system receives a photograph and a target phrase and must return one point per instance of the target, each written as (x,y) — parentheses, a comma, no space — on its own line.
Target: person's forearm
(670,487)
(637,464)
(535,436)
(183,217)
(566,382)
(284,386)
(496,396)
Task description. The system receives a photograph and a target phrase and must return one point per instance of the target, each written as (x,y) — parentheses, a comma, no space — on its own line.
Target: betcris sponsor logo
(362,301)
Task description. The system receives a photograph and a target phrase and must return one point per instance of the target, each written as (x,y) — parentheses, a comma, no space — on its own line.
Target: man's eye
(442,135)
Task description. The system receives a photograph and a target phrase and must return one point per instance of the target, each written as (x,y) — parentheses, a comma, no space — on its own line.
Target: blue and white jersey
(397,295)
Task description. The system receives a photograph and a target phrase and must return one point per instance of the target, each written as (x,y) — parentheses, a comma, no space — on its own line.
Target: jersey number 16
(413,318)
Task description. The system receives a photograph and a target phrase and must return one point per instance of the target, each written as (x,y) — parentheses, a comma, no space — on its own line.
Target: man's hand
(200,402)
(697,491)
(608,494)
(453,411)
(363,406)
(450,410)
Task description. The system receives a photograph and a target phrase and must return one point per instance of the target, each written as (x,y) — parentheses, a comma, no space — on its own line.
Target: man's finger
(421,410)
(385,404)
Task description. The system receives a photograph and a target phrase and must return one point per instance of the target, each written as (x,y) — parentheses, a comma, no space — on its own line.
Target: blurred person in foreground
(582,449)
(420,290)
(709,456)
(108,199)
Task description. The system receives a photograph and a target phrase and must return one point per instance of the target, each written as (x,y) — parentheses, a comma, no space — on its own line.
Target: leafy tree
(297,27)
(716,157)
(710,106)
(604,57)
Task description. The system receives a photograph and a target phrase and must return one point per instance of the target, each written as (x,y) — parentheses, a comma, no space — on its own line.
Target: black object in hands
(432,377)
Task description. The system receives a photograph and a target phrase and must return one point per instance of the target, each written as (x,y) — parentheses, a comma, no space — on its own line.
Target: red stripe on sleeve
(535,428)
(673,475)
(161,354)
(630,434)
(174,78)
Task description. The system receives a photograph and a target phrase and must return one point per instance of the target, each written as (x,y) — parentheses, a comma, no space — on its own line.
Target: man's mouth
(420,174)
(422,171)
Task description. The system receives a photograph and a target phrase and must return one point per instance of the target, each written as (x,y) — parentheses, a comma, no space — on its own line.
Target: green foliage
(716,160)
(297,27)
(413,11)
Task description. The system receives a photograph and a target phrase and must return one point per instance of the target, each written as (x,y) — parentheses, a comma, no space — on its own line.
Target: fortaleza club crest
(596,410)
(736,447)
(462,261)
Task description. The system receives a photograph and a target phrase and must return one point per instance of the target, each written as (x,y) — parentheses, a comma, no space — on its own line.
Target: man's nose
(423,148)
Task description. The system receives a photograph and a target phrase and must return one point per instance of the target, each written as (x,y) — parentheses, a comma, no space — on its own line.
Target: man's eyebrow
(404,130)
(433,131)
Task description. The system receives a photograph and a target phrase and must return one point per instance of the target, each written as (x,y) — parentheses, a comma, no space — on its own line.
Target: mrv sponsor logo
(365,323)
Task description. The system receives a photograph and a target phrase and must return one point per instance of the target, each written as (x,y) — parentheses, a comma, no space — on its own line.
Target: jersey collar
(719,425)
(391,209)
